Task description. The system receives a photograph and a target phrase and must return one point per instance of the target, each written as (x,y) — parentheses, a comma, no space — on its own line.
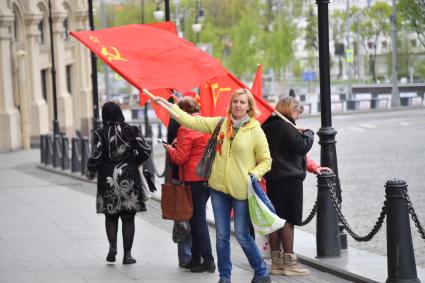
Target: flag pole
(277,113)
(151,96)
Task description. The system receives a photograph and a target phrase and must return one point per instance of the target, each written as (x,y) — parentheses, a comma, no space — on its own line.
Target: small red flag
(217,92)
(257,85)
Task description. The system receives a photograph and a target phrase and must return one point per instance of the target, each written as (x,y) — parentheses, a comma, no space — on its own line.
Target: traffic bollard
(42,149)
(76,155)
(84,154)
(49,149)
(327,232)
(400,255)
(57,154)
(65,152)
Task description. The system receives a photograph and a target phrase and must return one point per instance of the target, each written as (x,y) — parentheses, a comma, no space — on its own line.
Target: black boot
(128,259)
(112,252)
(207,265)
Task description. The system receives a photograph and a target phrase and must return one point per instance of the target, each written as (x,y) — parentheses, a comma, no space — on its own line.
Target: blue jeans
(201,244)
(222,205)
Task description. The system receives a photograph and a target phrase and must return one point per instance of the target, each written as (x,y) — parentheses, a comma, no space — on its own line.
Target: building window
(15,28)
(44,83)
(384,44)
(66,27)
(42,35)
(69,78)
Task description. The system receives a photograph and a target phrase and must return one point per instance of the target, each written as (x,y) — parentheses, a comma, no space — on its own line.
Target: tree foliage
(413,12)
(376,23)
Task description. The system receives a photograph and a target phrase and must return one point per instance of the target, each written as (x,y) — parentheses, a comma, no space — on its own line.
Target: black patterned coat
(117,151)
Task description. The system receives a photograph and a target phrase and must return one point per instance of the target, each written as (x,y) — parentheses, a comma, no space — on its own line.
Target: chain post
(327,233)
(400,255)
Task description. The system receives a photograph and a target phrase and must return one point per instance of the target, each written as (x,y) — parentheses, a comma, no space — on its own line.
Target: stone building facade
(26,92)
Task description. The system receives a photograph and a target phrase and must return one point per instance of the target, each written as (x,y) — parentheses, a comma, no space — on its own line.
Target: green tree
(413,13)
(376,23)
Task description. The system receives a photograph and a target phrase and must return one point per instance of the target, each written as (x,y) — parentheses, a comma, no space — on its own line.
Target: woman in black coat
(117,151)
(288,149)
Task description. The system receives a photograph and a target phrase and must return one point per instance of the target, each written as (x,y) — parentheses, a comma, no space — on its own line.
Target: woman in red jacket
(187,153)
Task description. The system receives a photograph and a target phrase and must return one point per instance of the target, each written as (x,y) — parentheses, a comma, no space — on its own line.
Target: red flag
(160,112)
(152,57)
(257,85)
(216,94)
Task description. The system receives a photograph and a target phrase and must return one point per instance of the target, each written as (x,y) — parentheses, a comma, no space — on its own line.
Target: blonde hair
(252,110)
(287,105)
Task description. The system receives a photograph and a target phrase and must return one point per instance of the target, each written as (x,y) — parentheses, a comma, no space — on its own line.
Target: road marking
(404,124)
(368,126)
(356,129)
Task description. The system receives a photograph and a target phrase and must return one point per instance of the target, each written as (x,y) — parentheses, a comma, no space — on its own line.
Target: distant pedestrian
(241,150)
(288,148)
(187,152)
(117,151)
(291,92)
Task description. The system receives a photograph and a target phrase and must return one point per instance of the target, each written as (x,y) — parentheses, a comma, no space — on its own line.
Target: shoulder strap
(217,128)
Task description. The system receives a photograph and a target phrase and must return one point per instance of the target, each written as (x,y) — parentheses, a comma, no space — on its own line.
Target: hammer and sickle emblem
(217,90)
(112,56)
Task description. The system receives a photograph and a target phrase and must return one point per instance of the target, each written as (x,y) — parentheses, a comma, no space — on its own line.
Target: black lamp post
(55,102)
(167,10)
(96,120)
(326,132)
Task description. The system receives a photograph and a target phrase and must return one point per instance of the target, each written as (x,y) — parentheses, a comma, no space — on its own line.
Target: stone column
(64,99)
(82,83)
(36,109)
(9,115)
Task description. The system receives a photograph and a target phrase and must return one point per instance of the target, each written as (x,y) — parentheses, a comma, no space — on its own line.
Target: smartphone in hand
(162,141)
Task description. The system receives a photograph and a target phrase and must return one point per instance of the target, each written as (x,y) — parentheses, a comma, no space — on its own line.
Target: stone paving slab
(50,233)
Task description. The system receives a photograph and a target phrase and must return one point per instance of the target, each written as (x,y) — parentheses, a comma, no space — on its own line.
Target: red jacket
(188,152)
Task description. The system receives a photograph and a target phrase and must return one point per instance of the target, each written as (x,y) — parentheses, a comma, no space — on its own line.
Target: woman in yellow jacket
(242,149)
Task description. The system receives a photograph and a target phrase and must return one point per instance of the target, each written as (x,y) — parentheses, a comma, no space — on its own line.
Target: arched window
(17,25)
(66,21)
(43,25)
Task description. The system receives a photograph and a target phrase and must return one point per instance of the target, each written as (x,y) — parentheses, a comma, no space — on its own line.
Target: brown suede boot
(291,266)
(277,263)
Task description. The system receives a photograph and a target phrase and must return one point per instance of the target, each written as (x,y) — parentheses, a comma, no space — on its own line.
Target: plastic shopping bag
(261,211)
(263,246)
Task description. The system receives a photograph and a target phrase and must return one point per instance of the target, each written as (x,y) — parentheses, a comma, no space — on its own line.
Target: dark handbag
(203,169)
(181,231)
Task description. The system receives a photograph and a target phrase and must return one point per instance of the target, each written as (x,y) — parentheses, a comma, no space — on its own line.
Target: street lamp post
(326,132)
(96,120)
(54,94)
(395,95)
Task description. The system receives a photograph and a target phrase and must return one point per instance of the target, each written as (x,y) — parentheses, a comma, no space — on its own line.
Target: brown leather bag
(176,201)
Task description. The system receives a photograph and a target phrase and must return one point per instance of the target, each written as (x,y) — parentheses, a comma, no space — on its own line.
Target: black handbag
(203,169)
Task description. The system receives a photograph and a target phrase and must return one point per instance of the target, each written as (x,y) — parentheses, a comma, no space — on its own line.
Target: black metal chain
(413,213)
(311,215)
(341,217)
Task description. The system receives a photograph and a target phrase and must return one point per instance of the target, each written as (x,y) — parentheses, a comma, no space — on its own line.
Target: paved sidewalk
(50,233)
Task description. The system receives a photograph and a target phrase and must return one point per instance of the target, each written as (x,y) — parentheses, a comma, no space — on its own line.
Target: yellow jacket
(248,153)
